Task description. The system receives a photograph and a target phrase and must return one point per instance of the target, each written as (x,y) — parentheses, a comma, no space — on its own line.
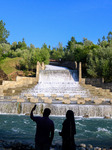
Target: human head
(70,115)
(47,112)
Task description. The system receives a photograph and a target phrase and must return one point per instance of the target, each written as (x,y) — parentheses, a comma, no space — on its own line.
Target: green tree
(4,49)
(109,37)
(87,42)
(44,55)
(3,32)
(100,62)
(14,46)
(22,45)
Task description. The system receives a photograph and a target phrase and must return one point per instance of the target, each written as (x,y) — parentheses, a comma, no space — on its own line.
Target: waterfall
(79,110)
(58,80)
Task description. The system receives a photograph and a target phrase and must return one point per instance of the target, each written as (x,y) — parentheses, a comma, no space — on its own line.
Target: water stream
(58,80)
(97,131)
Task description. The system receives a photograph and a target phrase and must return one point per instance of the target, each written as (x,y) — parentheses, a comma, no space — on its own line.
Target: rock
(77,96)
(97,148)
(66,101)
(40,95)
(83,145)
(3,76)
(73,98)
(87,99)
(107,117)
(81,101)
(27,114)
(97,101)
(103,148)
(86,116)
(34,100)
(49,101)
(52,148)
(53,95)
(21,100)
(59,98)
(90,146)
(110,101)
(66,95)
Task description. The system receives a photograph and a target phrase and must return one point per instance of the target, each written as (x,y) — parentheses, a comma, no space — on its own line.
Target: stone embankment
(98,91)
(16,145)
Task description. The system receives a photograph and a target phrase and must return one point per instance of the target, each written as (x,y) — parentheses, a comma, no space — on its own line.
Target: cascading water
(58,80)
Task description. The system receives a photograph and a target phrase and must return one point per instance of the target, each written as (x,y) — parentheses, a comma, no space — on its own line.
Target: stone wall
(98,82)
(94,81)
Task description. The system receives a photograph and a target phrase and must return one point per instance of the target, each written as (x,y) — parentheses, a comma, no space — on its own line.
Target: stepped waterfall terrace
(59,81)
(64,83)
(58,88)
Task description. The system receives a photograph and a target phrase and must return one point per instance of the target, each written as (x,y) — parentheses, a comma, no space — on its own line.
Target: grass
(8,65)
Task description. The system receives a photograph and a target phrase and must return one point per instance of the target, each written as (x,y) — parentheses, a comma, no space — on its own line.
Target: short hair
(47,112)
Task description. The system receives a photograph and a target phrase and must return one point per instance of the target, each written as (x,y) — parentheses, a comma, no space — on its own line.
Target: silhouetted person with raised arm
(44,130)
(68,132)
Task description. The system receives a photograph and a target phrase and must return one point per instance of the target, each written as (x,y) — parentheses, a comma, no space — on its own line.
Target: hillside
(9,67)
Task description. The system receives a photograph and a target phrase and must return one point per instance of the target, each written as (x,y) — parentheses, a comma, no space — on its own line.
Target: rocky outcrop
(3,76)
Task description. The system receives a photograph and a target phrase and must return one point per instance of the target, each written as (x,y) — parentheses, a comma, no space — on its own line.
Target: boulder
(80,101)
(107,117)
(66,101)
(59,98)
(40,95)
(53,95)
(3,76)
(77,96)
(97,101)
(73,98)
(82,145)
(89,146)
(87,99)
(34,100)
(21,100)
(110,101)
(97,148)
(49,101)
(66,96)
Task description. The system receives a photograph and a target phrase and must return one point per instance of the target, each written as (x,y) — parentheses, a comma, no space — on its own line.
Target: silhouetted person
(68,132)
(44,130)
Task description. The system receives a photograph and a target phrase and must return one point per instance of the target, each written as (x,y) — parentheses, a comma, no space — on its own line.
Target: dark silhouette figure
(68,132)
(44,130)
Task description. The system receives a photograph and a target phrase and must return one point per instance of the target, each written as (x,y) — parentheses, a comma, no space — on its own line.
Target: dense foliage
(96,58)
(3,32)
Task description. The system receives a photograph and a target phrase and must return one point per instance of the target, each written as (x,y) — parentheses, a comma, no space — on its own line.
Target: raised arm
(31,114)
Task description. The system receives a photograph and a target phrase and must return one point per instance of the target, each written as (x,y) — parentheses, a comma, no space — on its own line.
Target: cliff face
(3,76)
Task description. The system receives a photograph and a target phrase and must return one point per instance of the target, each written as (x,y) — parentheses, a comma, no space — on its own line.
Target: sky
(54,21)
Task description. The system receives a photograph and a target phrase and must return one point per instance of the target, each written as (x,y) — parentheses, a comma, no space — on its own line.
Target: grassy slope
(8,65)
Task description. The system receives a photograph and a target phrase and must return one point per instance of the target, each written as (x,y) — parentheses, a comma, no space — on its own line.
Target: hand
(34,108)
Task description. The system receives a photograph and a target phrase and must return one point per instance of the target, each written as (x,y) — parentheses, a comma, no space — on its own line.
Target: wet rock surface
(16,145)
